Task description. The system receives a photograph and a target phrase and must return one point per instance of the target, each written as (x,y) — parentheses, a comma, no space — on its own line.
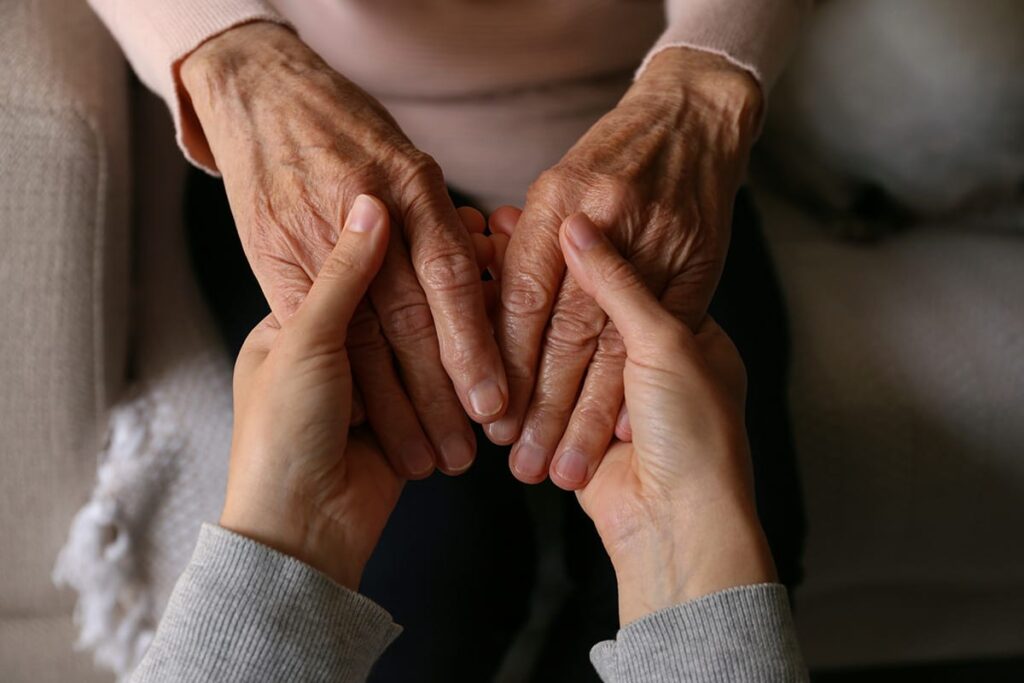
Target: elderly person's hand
(660,173)
(675,507)
(298,480)
(296,143)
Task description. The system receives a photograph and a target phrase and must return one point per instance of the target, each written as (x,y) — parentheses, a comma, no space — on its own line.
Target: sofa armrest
(64,264)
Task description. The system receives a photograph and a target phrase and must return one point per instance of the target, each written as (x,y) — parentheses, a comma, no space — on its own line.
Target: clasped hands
(301,148)
(673,507)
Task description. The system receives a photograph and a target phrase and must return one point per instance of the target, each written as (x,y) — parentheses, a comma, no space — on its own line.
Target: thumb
(647,328)
(346,274)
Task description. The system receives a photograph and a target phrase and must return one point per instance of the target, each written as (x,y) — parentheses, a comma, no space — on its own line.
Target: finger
(569,343)
(483,247)
(500,245)
(504,219)
(491,296)
(388,411)
(531,274)
(472,219)
(445,265)
(647,328)
(687,295)
(358,408)
(623,428)
(345,276)
(407,324)
(592,425)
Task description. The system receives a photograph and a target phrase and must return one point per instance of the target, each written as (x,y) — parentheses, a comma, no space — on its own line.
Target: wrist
(283,527)
(245,48)
(680,556)
(234,66)
(698,89)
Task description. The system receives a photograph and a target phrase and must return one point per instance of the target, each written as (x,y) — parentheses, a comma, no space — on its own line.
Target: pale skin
(674,508)
(296,142)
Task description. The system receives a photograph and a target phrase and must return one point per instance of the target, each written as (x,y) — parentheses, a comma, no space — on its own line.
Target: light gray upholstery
(907,396)
(64,217)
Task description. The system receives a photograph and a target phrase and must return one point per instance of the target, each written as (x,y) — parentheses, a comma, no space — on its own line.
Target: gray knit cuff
(739,635)
(242,612)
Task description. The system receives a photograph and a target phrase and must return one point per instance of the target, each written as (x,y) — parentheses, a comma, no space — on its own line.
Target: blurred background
(890,176)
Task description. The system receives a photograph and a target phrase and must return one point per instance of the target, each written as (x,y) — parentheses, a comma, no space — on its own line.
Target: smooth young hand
(298,480)
(674,507)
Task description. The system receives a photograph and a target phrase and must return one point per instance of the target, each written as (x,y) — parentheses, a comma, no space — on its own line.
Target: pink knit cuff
(757,35)
(156,35)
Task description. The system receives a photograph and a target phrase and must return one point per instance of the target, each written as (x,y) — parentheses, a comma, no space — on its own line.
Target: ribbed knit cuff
(243,612)
(757,35)
(739,635)
(156,35)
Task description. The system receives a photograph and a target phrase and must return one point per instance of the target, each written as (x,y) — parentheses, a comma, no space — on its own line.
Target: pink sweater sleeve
(156,35)
(757,35)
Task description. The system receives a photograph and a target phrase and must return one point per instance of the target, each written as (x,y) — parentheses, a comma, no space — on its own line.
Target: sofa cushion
(907,391)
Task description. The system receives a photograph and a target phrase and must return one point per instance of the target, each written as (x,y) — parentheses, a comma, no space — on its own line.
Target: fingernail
(457,452)
(364,216)
(504,431)
(581,232)
(417,458)
(486,398)
(529,462)
(623,428)
(572,467)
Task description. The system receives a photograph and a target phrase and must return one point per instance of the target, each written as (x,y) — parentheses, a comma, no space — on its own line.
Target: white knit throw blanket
(164,467)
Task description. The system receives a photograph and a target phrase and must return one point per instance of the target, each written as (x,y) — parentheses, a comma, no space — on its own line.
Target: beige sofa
(908,387)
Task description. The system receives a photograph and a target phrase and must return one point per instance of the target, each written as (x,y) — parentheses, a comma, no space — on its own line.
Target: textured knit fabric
(739,635)
(64,256)
(244,612)
(163,468)
(497,91)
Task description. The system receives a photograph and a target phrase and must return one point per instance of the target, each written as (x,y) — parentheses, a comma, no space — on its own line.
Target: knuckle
(551,187)
(610,347)
(619,275)
(595,418)
(408,322)
(551,410)
(572,333)
(524,295)
(449,271)
(424,177)
(338,264)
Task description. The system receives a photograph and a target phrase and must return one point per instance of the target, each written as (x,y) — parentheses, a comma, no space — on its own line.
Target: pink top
(496,90)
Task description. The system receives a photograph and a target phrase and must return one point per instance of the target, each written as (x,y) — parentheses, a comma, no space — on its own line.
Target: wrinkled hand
(659,173)
(674,507)
(296,143)
(298,481)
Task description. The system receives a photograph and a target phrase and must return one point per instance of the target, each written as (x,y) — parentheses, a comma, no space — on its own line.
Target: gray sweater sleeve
(244,612)
(739,635)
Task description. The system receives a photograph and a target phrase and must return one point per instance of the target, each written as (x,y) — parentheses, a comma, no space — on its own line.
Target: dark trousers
(456,565)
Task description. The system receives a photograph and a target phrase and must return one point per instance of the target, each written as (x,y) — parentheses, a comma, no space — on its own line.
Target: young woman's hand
(298,480)
(675,507)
